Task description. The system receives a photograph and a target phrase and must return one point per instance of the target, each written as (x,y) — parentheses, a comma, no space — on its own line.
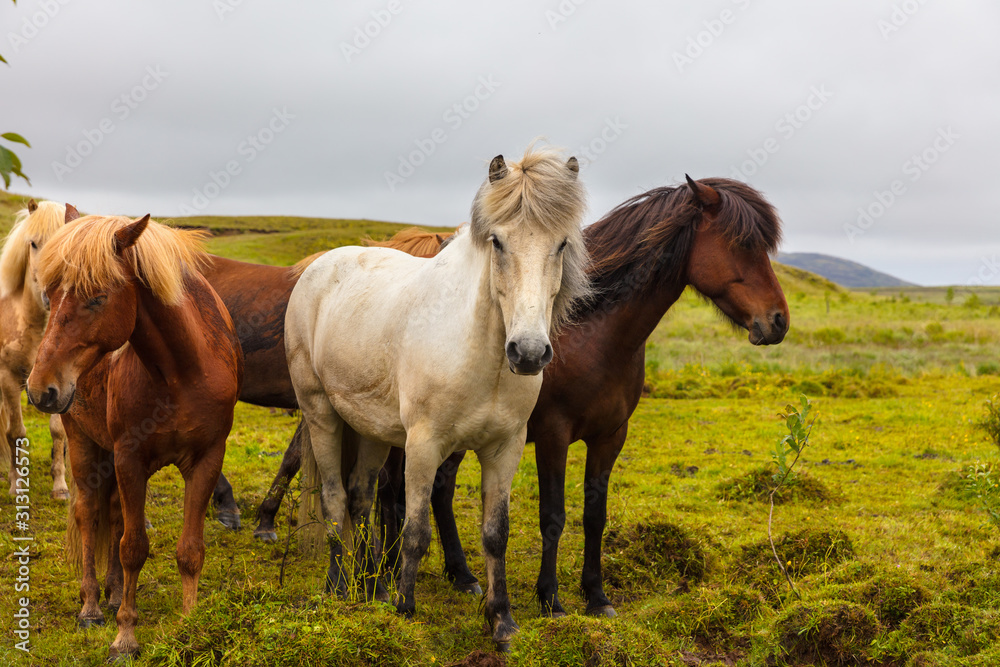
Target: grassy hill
(841,271)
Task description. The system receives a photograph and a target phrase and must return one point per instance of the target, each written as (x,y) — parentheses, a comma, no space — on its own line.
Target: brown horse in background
(141,358)
(23,315)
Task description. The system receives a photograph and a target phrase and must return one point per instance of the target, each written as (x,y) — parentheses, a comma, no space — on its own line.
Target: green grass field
(895,559)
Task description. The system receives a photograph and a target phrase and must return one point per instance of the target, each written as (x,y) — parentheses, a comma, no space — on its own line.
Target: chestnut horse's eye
(97,301)
(34,246)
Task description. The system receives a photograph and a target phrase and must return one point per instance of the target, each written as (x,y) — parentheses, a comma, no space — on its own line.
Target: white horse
(23,315)
(435,355)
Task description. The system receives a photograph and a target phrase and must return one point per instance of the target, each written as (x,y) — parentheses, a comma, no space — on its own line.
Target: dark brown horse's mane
(645,241)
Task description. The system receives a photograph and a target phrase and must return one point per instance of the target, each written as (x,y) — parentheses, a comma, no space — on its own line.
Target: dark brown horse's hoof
(230,520)
(503,647)
(605,611)
(557,614)
(85,623)
(265,535)
(472,588)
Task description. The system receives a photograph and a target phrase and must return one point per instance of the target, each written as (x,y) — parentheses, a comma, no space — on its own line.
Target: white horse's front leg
(499,464)
(422,461)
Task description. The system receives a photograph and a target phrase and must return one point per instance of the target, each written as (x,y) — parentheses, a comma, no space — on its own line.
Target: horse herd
(140,344)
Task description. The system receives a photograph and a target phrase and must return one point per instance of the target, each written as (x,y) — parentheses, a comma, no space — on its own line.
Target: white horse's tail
(312,527)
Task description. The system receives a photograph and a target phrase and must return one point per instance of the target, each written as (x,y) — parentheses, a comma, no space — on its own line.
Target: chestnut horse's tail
(101,481)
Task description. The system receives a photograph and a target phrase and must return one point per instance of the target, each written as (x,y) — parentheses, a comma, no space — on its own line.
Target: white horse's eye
(562,246)
(496,243)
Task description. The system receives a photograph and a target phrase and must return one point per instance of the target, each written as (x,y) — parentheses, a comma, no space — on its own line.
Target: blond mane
(38,226)
(540,191)
(81,257)
(413,241)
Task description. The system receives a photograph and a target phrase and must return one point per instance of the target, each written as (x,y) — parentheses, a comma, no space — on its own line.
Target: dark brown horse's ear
(126,237)
(574,166)
(71,213)
(705,195)
(498,169)
(32,206)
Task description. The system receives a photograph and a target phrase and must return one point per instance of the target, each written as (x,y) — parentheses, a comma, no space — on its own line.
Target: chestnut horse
(23,314)
(141,358)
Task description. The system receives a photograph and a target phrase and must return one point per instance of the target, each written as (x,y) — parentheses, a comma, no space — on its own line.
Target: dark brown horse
(713,234)
(141,359)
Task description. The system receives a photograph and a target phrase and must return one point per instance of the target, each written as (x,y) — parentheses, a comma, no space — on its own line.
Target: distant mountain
(840,271)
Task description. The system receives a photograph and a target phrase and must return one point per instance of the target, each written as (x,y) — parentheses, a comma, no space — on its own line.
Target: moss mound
(804,552)
(576,640)
(893,596)
(712,617)
(258,626)
(975,585)
(651,552)
(831,632)
(481,659)
(943,625)
(758,483)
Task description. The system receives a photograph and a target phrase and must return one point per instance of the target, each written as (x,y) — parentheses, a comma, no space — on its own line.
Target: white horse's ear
(574,166)
(498,169)
(71,213)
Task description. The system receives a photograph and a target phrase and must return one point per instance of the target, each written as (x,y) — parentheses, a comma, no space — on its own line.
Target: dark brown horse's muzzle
(770,330)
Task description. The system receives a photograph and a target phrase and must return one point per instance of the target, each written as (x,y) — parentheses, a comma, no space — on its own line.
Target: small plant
(990,422)
(985,483)
(799,429)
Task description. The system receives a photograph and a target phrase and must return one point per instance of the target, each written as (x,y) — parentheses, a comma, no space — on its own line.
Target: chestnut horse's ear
(705,195)
(498,169)
(574,166)
(32,206)
(71,213)
(126,237)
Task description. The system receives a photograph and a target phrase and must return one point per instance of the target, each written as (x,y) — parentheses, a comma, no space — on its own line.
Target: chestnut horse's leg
(392,506)
(360,493)
(455,566)
(199,482)
(499,463)
(114,578)
(134,546)
(290,464)
(601,456)
(59,489)
(88,478)
(10,388)
(551,447)
(226,511)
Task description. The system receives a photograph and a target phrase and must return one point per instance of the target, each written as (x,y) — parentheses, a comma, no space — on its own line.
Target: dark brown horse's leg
(198,485)
(360,494)
(86,470)
(392,507)
(290,464)
(226,511)
(134,548)
(455,566)
(550,458)
(114,578)
(601,457)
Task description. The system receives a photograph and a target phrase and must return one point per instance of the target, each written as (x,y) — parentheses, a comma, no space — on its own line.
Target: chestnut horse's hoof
(85,623)
(472,588)
(605,611)
(60,494)
(230,520)
(116,657)
(265,535)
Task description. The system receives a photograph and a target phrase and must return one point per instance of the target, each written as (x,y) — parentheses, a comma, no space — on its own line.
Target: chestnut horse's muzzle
(52,400)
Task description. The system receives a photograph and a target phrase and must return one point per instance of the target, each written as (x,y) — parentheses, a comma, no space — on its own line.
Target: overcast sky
(872,126)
